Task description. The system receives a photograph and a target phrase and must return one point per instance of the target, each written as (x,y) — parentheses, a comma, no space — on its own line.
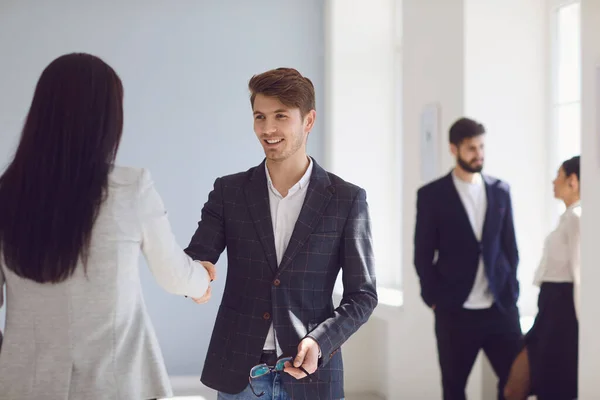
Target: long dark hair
(51,192)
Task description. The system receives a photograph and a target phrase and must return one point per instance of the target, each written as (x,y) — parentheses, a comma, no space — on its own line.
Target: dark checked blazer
(443,227)
(332,233)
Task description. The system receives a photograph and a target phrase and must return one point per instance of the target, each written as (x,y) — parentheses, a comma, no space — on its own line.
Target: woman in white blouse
(547,366)
(72,227)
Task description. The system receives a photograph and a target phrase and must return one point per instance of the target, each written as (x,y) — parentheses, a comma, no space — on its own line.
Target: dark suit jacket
(332,233)
(443,227)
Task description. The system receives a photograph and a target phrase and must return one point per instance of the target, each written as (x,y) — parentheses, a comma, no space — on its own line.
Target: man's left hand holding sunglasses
(306,361)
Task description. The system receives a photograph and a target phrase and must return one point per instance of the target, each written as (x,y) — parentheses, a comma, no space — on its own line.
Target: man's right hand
(205,298)
(212,275)
(210,268)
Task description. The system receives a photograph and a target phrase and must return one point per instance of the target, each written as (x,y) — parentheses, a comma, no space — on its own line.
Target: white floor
(190,388)
(212,397)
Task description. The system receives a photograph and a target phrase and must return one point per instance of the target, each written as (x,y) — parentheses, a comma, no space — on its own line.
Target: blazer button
(276,282)
(266,316)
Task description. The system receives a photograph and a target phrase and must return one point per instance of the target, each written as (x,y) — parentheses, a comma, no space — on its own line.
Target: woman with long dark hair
(72,227)
(547,366)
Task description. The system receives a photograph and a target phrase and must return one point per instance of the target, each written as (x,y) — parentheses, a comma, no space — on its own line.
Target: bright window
(565,110)
(362,107)
(566,82)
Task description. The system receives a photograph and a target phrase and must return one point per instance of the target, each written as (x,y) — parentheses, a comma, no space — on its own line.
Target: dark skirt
(552,344)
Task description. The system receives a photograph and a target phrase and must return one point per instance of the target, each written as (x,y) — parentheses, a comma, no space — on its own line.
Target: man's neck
(469,177)
(285,174)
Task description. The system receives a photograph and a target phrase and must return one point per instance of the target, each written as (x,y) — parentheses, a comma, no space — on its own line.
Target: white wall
(462,55)
(185,69)
(433,64)
(397,344)
(589,323)
(364,147)
(506,87)
(362,129)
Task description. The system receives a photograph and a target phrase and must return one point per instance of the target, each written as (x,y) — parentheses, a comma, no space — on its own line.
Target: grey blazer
(90,337)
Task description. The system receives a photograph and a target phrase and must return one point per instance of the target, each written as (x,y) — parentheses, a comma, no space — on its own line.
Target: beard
(468,167)
(292,144)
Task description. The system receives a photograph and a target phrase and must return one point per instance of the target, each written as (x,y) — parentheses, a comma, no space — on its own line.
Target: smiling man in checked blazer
(289,226)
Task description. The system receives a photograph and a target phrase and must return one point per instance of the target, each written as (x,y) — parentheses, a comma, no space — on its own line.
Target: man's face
(469,154)
(282,130)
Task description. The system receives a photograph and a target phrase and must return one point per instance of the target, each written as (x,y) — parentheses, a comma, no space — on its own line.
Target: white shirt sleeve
(174,270)
(574,246)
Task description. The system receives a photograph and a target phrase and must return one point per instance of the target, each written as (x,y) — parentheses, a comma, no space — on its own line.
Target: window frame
(554,105)
(390,271)
(554,208)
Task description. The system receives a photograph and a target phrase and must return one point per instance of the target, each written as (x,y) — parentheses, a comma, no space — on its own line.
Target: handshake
(212,274)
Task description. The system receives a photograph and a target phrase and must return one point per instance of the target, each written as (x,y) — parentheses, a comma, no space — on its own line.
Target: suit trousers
(462,333)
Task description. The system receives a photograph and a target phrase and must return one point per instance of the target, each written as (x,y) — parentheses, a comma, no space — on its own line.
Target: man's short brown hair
(465,128)
(287,85)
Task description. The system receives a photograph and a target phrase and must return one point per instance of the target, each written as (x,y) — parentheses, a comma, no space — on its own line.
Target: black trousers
(462,333)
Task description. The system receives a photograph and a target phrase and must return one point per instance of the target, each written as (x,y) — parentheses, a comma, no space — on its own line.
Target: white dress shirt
(284,214)
(474,199)
(561,259)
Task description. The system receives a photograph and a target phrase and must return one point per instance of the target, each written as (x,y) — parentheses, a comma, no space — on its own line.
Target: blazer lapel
(491,205)
(318,195)
(456,203)
(257,198)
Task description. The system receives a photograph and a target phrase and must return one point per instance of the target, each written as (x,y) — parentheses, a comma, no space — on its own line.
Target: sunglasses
(264,369)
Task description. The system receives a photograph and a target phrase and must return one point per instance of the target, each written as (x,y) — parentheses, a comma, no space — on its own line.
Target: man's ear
(453,149)
(309,120)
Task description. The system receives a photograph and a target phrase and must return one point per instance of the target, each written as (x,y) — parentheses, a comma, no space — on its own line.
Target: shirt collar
(574,205)
(477,181)
(301,184)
